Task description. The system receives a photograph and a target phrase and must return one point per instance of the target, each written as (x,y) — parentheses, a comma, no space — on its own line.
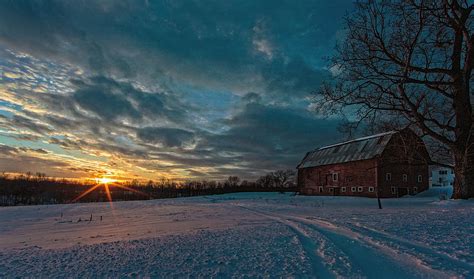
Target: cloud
(163,87)
(105,104)
(25,163)
(260,40)
(21,122)
(258,138)
(166,137)
(293,80)
(34,150)
(273,135)
(251,97)
(22,159)
(7,150)
(198,42)
(111,100)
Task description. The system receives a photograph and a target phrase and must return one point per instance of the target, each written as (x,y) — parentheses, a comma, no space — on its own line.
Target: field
(241,235)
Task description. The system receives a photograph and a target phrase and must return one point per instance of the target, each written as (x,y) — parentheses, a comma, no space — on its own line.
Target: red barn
(390,164)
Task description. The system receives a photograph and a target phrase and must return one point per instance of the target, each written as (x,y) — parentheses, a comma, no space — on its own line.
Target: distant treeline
(32,189)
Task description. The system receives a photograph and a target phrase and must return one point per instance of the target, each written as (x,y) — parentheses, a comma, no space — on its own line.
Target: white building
(441,176)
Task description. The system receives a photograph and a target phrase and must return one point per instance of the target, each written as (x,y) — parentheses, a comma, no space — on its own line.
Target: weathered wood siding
(352,174)
(402,168)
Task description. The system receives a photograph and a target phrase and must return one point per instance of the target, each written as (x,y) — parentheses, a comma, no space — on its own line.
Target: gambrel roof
(354,150)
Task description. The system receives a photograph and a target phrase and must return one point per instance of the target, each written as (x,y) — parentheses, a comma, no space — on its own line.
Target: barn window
(353,189)
(320,189)
(420,178)
(388,176)
(335,177)
(371,189)
(394,190)
(405,177)
(415,190)
(343,189)
(360,189)
(331,190)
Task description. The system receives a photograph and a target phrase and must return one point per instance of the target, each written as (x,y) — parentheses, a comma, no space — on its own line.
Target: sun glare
(106,183)
(105,180)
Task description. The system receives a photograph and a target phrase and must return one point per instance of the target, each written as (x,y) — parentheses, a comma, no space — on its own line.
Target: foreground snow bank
(245,234)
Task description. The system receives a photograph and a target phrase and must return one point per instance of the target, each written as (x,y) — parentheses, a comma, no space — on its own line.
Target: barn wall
(351,174)
(404,155)
(407,156)
(411,186)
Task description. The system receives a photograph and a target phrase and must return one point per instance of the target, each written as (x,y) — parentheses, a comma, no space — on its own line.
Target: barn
(387,165)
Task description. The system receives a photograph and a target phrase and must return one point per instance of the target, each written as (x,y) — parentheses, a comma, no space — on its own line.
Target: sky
(177,89)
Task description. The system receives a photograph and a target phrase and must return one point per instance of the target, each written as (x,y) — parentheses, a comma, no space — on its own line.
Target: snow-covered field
(241,235)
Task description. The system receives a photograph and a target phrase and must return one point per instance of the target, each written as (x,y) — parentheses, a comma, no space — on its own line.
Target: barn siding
(403,153)
(408,156)
(412,172)
(351,174)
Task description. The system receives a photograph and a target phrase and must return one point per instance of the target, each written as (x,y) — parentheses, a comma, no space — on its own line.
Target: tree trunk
(464,173)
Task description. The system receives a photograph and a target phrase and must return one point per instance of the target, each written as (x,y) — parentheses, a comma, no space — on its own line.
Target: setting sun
(105,180)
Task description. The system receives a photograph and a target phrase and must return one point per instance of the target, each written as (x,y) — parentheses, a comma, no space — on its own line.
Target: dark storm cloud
(105,103)
(110,100)
(99,105)
(130,66)
(196,41)
(293,79)
(269,135)
(251,97)
(168,137)
(259,138)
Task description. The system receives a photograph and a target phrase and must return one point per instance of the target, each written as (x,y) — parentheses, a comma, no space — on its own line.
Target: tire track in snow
(435,258)
(416,262)
(372,258)
(334,258)
(309,246)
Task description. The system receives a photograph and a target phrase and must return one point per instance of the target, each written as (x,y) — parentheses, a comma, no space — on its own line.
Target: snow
(242,235)
(441,192)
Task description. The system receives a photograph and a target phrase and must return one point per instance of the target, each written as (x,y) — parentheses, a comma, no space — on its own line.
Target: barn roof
(353,150)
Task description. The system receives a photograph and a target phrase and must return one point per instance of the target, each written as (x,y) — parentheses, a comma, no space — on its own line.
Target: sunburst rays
(107,184)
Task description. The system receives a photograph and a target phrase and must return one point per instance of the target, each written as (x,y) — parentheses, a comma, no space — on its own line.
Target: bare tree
(233,181)
(409,62)
(265,181)
(283,178)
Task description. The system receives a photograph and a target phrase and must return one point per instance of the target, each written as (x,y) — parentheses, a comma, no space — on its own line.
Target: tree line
(31,189)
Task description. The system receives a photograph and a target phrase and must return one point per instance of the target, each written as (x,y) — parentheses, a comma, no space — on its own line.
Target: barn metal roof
(353,150)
